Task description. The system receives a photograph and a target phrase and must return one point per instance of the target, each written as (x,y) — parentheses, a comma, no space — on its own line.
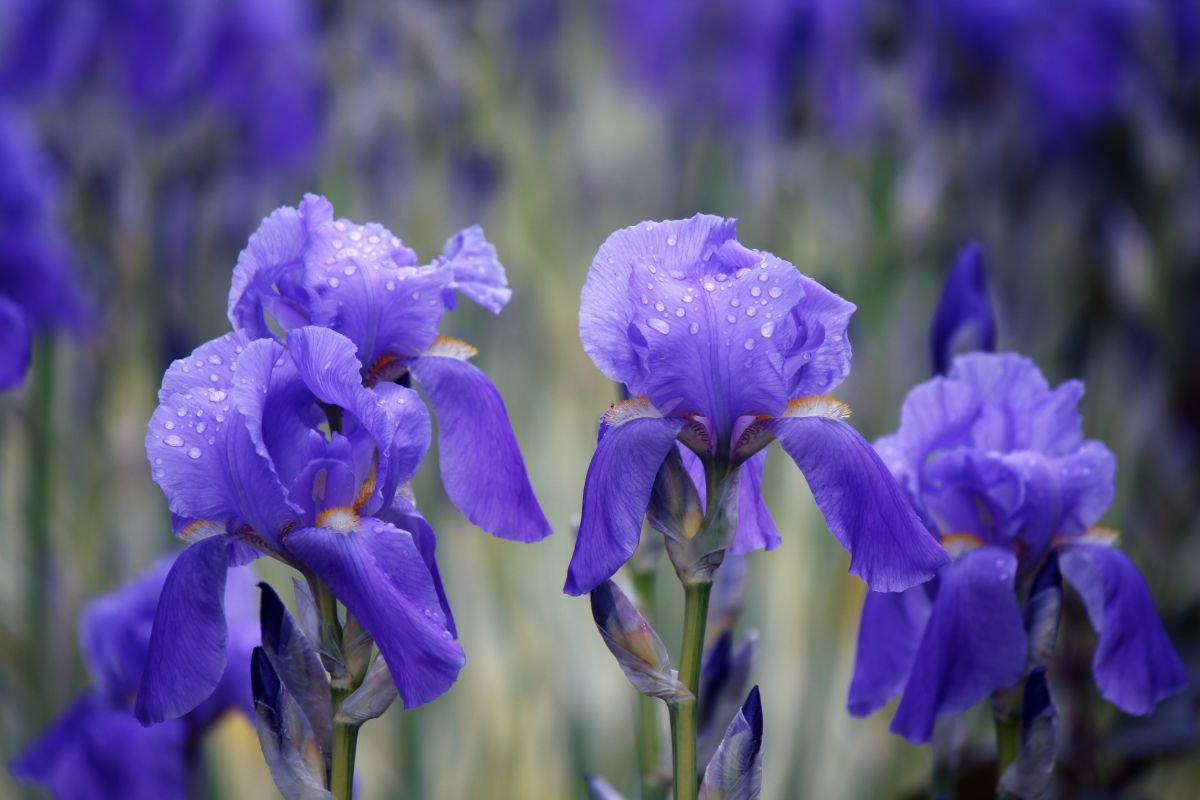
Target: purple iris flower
(996,463)
(725,349)
(97,749)
(241,447)
(36,290)
(963,311)
(303,267)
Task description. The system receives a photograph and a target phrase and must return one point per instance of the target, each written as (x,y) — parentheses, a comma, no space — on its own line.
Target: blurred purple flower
(728,348)
(303,267)
(97,749)
(36,290)
(237,446)
(963,310)
(996,463)
(253,67)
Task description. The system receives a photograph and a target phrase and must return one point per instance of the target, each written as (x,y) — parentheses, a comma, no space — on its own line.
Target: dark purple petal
(681,312)
(481,464)
(974,642)
(243,635)
(15,344)
(187,653)
(735,771)
(379,574)
(200,452)
(755,527)
(405,516)
(96,751)
(477,270)
(889,633)
(616,492)
(863,506)
(962,309)
(1135,665)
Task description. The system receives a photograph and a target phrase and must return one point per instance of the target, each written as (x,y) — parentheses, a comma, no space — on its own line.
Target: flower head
(97,748)
(728,349)
(303,267)
(280,449)
(996,463)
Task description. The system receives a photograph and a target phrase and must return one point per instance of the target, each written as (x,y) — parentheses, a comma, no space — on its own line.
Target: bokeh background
(862,140)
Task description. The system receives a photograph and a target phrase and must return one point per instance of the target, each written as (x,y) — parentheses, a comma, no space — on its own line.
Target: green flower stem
(649,746)
(345,743)
(683,712)
(345,735)
(1007,727)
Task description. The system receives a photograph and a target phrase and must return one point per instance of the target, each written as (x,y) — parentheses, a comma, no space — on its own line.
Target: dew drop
(334,282)
(775,291)
(170,424)
(350,270)
(173,441)
(338,244)
(355,235)
(756,291)
(767,329)
(748,344)
(645,299)
(751,311)
(735,302)
(659,325)
(194,453)
(709,286)
(181,412)
(679,312)
(201,427)
(653,269)
(694,328)
(671,240)
(391,286)
(659,307)
(763,277)
(687,298)
(731,319)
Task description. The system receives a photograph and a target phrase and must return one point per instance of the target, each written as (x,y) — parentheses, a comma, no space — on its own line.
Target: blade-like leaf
(298,666)
(735,772)
(281,733)
(372,698)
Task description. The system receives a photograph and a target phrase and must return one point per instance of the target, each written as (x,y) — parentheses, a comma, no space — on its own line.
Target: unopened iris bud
(635,644)
(735,771)
(675,508)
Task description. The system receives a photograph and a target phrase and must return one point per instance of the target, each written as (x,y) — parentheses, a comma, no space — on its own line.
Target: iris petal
(974,642)
(482,468)
(1135,665)
(888,636)
(863,506)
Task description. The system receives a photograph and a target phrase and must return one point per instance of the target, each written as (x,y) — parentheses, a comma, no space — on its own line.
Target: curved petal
(481,464)
(755,527)
(963,308)
(187,652)
(201,454)
(405,516)
(889,633)
(381,577)
(268,280)
(1135,665)
(818,358)
(243,635)
(477,270)
(616,493)
(95,750)
(863,506)
(15,344)
(974,642)
(683,313)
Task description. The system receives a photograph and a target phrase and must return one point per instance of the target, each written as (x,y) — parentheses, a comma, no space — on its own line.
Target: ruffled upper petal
(616,493)
(268,280)
(681,312)
(381,577)
(482,468)
(1135,665)
(477,270)
(201,454)
(863,506)
(973,644)
(889,633)
(187,653)
(963,309)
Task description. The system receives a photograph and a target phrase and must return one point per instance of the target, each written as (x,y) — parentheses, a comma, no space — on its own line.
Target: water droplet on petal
(350,270)
(763,277)
(709,286)
(748,344)
(170,424)
(659,307)
(173,441)
(679,312)
(694,328)
(767,329)
(334,282)
(194,453)
(671,240)
(687,298)
(735,302)
(391,286)
(731,319)
(775,291)
(201,427)
(756,291)
(751,311)
(659,325)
